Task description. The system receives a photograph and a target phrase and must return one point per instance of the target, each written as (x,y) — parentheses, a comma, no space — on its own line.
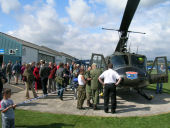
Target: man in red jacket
(37,77)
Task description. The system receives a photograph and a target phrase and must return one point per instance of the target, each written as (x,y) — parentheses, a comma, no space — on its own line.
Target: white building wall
(29,54)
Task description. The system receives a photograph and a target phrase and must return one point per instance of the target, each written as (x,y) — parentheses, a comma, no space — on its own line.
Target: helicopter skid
(142,93)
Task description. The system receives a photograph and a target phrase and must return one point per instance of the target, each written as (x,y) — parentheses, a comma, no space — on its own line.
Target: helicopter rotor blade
(128,14)
(137,32)
(110,29)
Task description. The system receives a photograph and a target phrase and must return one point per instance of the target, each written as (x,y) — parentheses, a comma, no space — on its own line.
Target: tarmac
(129,103)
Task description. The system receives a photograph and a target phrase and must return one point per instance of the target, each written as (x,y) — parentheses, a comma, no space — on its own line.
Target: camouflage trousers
(81,96)
(95,96)
(88,92)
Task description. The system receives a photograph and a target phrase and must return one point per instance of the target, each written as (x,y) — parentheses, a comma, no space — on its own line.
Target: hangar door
(47,58)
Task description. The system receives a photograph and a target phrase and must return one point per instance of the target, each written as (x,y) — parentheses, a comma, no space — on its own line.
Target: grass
(32,119)
(166,86)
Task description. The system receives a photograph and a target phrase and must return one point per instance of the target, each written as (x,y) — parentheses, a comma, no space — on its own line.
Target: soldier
(94,74)
(88,87)
(81,90)
(29,80)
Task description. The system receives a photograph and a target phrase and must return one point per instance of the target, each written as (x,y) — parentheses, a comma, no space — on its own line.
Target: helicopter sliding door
(159,71)
(99,60)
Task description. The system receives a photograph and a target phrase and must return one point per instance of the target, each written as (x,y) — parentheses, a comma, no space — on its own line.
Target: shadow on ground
(133,96)
(54,125)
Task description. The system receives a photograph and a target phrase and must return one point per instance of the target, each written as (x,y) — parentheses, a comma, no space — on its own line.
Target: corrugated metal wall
(12,58)
(8,44)
(47,58)
(29,54)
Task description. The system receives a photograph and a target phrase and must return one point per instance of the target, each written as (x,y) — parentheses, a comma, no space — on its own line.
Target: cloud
(154,22)
(9,5)
(81,44)
(51,2)
(81,14)
(151,3)
(41,24)
(118,5)
(42,27)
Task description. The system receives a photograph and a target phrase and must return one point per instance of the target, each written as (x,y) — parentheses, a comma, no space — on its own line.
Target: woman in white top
(81,90)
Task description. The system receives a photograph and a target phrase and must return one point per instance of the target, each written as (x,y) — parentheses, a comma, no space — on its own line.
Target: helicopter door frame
(102,59)
(158,78)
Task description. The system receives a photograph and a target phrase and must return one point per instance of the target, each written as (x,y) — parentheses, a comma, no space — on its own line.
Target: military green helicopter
(132,67)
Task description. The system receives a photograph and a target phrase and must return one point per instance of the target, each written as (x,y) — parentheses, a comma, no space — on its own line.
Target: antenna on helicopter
(129,46)
(137,49)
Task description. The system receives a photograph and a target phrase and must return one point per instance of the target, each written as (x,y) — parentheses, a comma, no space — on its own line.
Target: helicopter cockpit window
(119,60)
(138,61)
(99,62)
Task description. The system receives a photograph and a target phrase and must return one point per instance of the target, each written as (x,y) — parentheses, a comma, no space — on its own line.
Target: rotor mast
(129,12)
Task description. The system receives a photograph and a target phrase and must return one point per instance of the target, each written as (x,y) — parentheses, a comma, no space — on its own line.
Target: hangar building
(12,48)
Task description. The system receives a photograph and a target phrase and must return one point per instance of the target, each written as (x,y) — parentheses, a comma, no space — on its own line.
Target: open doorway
(1,59)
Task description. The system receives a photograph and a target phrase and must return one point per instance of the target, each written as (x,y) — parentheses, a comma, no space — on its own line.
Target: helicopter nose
(132,77)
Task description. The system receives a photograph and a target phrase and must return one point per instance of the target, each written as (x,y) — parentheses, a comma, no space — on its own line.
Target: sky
(74,26)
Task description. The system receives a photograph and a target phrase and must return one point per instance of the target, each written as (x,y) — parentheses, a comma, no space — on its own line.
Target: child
(7,109)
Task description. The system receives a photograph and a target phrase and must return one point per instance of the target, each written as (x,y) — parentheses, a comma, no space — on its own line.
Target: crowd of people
(87,83)
(51,77)
(39,75)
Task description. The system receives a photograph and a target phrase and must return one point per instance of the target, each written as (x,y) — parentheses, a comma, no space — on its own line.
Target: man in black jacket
(44,73)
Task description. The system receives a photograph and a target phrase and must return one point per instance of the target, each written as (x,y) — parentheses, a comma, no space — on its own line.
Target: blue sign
(2,51)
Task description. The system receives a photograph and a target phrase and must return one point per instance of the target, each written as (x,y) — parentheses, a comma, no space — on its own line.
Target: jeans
(51,85)
(60,90)
(159,87)
(8,123)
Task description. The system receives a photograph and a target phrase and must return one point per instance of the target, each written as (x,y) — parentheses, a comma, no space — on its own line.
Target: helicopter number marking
(132,75)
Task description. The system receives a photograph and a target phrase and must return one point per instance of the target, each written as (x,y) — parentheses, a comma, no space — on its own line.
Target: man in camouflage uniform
(94,74)
(88,86)
(81,90)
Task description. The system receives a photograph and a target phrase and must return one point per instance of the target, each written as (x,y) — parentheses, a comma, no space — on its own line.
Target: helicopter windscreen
(138,61)
(119,60)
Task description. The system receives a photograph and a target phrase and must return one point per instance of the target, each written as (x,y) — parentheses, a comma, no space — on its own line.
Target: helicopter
(132,67)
